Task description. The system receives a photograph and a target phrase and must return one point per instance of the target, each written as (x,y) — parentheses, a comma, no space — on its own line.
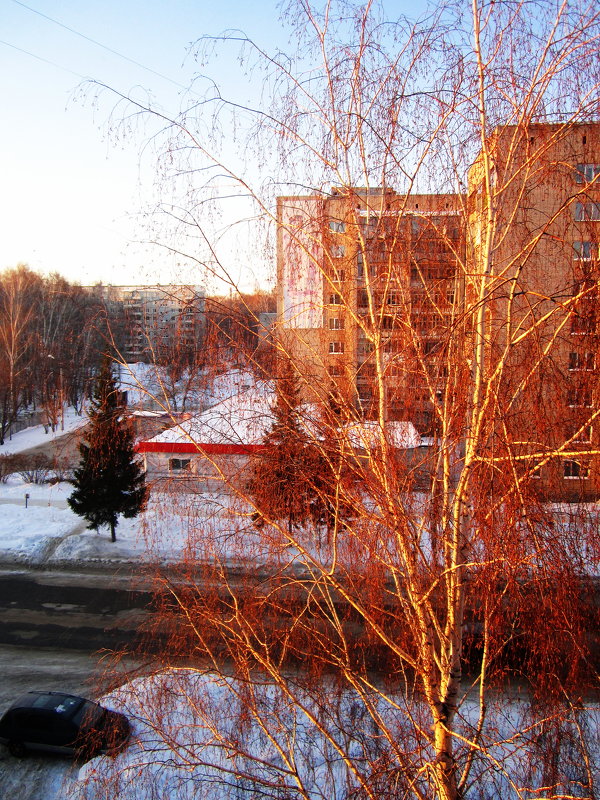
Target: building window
(579,397)
(587,211)
(360,265)
(335,300)
(585,173)
(340,276)
(336,347)
(336,324)
(582,361)
(179,464)
(585,251)
(337,226)
(362,298)
(575,469)
(335,370)
(581,434)
(581,323)
(394,299)
(338,251)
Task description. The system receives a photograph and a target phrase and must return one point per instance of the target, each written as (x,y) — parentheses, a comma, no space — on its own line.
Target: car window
(88,714)
(61,704)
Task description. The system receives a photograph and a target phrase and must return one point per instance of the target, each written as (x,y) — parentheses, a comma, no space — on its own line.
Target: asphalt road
(44,777)
(71,610)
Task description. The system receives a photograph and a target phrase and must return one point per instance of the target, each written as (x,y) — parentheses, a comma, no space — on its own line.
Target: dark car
(62,723)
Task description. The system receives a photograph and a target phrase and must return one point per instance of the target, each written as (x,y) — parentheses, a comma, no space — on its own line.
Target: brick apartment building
(352,269)
(371,283)
(157,318)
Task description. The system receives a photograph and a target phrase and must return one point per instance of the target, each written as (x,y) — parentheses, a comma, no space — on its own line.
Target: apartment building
(353,268)
(543,296)
(158,320)
(371,283)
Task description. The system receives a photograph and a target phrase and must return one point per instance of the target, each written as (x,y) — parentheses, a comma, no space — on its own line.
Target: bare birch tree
(393,637)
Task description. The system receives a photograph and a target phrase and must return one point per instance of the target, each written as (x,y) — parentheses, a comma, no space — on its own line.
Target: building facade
(160,323)
(353,268)
(376,288)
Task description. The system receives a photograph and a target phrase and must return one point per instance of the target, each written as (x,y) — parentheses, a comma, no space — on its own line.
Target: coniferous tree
(109,480)
(295,477)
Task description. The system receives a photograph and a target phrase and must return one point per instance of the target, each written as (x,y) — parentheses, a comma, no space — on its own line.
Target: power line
(98,44)
(45,60)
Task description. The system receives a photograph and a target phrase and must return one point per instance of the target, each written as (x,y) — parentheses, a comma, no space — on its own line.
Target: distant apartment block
(159,320)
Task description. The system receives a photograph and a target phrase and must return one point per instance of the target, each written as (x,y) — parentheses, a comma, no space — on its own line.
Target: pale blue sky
(71,196)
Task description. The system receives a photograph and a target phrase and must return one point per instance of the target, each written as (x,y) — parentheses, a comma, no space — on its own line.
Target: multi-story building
(353,269)
(542,295)
(372,282)
(159,320)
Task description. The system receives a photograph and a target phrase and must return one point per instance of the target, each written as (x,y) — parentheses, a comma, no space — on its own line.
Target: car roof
(59,702)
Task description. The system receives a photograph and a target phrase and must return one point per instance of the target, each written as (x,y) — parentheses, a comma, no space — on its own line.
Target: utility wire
(45,60)
(98,44)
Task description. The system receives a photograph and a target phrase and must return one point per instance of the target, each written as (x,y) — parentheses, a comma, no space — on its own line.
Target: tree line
(52,333)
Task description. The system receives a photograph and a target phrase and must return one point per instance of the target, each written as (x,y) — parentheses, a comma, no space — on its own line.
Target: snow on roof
(366,435)
(245,419)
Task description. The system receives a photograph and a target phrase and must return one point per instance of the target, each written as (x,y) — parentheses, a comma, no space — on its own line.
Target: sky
(73,193)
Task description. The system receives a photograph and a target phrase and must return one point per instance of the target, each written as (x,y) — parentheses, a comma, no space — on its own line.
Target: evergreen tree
(109,480)
(294,479)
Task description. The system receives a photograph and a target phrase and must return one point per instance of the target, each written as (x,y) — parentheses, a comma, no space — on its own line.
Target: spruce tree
(278,482)
(109,480)
(293,479)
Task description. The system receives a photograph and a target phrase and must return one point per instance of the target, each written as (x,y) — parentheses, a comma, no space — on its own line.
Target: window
(585,251)
(179,464)
(337,226)
(587,211)
(575,469)
(585,173)
(335,300)
(393,299)
(360,267)
(338,251)
(582,361)
(580,397)
(336,324)
(581,323)
(335,370)
(340,276)
(579,434)
(387,323)
(336,347)
(362,298)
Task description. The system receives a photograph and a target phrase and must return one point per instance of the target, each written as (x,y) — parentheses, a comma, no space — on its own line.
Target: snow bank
(198,734)
(36,435)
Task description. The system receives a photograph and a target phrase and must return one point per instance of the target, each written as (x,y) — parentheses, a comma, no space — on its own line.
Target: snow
(244,418)
(36,435)
(199,734)
(148,384)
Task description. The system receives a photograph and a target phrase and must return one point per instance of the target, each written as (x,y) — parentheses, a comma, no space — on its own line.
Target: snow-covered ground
(201,735)
(37,434)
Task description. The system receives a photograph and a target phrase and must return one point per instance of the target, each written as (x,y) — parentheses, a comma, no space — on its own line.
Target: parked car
(62,723)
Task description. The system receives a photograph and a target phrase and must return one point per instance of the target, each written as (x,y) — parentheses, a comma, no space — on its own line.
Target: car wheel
(17,749)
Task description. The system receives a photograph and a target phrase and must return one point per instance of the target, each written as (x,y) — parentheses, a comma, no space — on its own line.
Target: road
(43,777)
(72,609)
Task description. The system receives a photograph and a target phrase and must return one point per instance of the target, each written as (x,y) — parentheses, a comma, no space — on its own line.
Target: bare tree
(456,575)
